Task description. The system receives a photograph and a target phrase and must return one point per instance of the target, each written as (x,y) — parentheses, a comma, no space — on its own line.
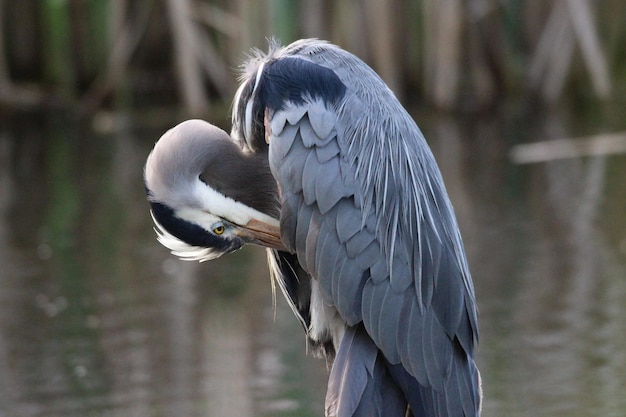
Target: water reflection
(546,249)
(97,319)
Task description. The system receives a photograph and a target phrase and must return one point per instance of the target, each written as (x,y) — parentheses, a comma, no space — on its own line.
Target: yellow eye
(218,230)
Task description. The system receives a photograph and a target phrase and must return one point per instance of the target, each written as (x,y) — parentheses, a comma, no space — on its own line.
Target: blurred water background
(523,107)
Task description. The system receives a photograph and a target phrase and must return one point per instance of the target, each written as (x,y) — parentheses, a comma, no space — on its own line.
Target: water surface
(96,319)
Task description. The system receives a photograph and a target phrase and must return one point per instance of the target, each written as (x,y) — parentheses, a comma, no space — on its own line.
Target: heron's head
(207,196)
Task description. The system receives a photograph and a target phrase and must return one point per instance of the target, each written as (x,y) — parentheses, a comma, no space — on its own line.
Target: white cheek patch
(198,217)
(216,206)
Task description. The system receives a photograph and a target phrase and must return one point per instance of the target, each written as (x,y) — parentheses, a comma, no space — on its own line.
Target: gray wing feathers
(304,221)
(312,239)
(309,135)
(411,345)
(322,221)
(417,308)
(291,114)
(359,384)
(310,177)
(348,378)
(325,267)
(327,194)
(293,168)
(326,152)
(400,273)
(283,146)
(448,302)
(347,294)
(321,173)
(322,120)
(383,318)
(357,243)
(347,224)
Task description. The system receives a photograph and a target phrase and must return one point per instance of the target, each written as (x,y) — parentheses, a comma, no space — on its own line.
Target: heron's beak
(263,234)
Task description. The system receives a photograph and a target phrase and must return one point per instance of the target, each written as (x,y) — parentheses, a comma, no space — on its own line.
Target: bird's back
(365,209)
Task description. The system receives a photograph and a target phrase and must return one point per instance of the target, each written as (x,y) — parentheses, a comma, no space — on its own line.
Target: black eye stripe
(190,233)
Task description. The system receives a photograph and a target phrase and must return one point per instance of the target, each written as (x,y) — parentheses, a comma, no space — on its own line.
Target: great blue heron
(363,239)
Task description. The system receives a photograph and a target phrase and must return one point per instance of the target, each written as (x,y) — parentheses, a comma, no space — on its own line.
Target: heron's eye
(219,229)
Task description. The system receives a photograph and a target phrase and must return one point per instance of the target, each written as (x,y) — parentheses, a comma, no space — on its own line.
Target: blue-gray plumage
(364,241)
(365,209)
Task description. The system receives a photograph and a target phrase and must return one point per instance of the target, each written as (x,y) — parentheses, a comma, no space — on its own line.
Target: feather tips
(365,208)
(359,384)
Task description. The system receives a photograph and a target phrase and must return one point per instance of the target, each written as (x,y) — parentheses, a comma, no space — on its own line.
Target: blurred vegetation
(462,55)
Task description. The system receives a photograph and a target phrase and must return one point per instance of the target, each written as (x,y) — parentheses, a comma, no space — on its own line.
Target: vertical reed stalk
(382,24)
(188,68)
(442,39)
(57,49)
(587,35)
(4,66)
(283,15)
